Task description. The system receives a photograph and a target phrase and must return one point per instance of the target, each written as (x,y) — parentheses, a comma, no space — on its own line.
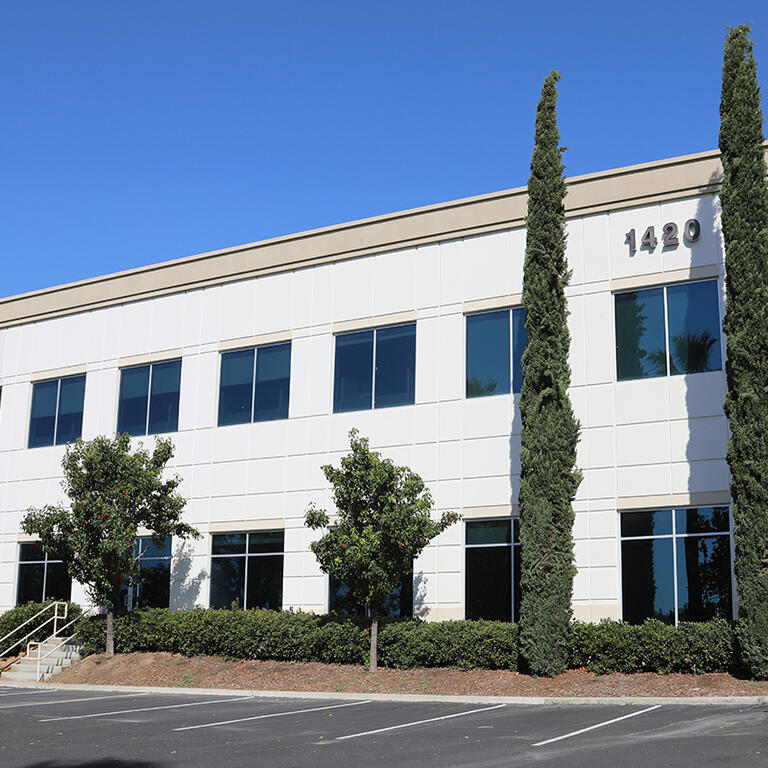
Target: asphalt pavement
(44,728)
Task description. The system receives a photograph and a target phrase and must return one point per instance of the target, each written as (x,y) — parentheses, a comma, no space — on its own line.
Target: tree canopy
(113,491)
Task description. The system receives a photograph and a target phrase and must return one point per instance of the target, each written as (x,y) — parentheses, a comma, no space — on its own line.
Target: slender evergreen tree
(744,199)
(548,478)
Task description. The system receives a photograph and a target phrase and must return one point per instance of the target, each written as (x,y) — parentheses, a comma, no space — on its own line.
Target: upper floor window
(492,570)
(375,368)
(495,345)
(57,411)
(676,564)
(41,576)
(149,398)
(247,569)
(672,329)
(255,384)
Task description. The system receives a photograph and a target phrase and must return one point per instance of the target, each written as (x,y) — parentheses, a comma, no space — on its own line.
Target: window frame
(375,330)
(58,380)
(151,366)
(514,522)
(255,348)
(510,310)
(246,554)
(674,536)
(664,286)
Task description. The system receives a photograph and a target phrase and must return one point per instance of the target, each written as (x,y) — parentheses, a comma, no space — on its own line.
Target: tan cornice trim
(58,373)
(671,179)
(377,321)
(26,538)
(244,526)
(500,302)
(694,499)
(261,340)
(665,278)
(151,357)
(501,510)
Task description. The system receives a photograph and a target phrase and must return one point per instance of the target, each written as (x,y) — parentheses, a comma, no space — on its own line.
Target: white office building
(257,360)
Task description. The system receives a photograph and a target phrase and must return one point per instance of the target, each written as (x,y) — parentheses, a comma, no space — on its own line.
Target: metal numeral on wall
(649,241)
(669,239)
(692,230)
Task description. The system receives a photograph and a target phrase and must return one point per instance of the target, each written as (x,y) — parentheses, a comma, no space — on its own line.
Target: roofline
(630,186)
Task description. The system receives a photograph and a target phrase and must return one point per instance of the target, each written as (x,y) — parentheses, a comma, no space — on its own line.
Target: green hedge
(11,619)
(612,646)
(293,636)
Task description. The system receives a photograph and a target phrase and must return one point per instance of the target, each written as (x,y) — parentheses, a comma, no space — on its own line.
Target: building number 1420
(669,236)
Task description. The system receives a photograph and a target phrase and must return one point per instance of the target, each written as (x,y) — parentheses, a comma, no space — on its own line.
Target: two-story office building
(257,360)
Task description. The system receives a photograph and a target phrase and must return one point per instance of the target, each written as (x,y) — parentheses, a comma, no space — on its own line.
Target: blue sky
(136,132)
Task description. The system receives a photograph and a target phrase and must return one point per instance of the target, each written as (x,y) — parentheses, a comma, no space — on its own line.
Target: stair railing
(60,611)
(36,646)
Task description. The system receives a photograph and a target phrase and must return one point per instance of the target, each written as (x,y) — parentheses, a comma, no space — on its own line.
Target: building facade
(258,360)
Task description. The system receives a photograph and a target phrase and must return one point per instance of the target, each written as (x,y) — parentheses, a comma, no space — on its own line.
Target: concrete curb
(734,701)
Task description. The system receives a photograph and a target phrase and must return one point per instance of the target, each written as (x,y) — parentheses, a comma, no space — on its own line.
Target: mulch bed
(165,669)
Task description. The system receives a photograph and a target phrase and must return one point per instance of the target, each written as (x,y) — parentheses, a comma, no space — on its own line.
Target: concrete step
(58,656)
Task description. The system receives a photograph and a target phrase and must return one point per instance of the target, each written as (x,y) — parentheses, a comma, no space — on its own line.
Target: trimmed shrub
(11,619)
(613,646)
(464,644)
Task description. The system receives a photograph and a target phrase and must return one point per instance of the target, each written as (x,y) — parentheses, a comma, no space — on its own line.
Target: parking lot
(58,728)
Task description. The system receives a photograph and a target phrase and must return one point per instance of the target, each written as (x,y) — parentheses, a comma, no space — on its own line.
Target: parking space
(57,728)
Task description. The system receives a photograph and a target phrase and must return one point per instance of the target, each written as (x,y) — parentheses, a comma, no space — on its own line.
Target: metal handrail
(38,644)
(55,619)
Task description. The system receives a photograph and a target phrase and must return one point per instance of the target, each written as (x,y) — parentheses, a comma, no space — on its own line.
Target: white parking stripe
(419,722)
(145,709)
(592,727)
(23,693)
(271,714)
(69,701)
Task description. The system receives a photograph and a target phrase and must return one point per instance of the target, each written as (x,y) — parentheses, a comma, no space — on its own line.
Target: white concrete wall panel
(639,438)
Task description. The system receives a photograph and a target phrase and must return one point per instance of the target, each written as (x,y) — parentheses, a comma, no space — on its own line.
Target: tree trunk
(110,633)
(373,666)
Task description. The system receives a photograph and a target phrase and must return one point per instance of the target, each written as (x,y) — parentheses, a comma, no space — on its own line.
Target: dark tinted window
(681,570)
(164,397)
(694,327)
(488,353)
(57,411)
(236,387)
(69,425)
(273,377)
(353,372)
(641,349)
(134,398)
(519,343)
(395,366)
(252,580)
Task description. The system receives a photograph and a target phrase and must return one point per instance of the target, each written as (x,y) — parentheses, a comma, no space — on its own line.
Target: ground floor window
(247,570)
(492,570)
(41,576)
(399,603)
(676,564)
(153,588)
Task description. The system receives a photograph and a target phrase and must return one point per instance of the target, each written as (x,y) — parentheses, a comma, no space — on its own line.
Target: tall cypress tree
(548,478)
(744,197)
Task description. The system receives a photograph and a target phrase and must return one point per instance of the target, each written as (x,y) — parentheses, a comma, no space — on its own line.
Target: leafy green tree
(112,492)
(550,432)
(744,198)
(383,523)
